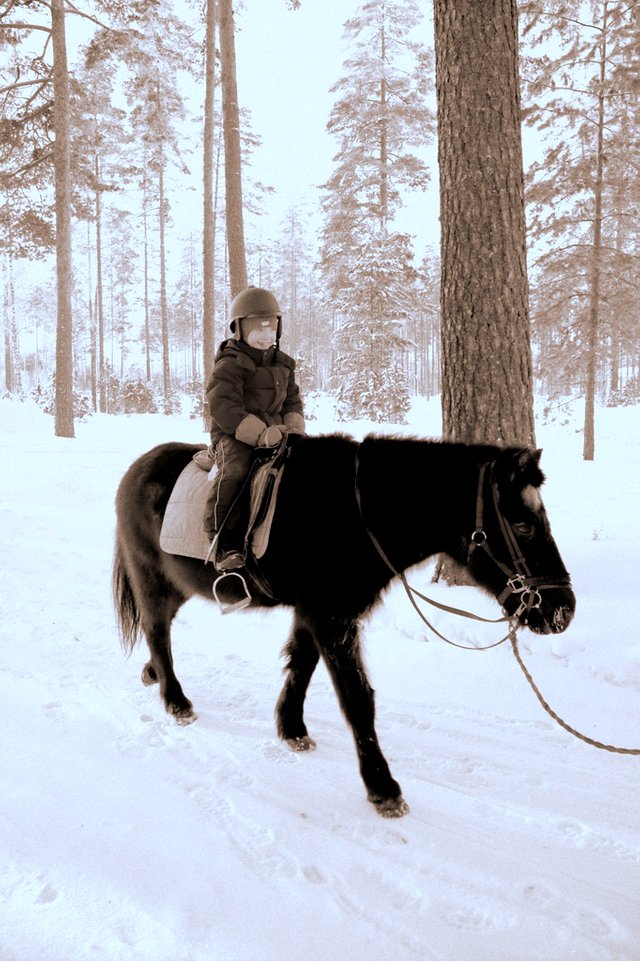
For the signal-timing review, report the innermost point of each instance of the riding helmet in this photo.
(253, 302)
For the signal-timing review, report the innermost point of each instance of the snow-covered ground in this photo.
(127, 838)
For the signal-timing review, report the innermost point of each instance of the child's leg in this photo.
(233, 459)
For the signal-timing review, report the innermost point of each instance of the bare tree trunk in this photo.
(64, 331)
(147, 324)
(164, 307)
(8, 364)
(11, 369)
(102, 396)
(216, 200)
(209, 237)
(487, 390)
(13, 380)
(589, 445)
(384, 154)
(232, 155)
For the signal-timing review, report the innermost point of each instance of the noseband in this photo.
(520, 580)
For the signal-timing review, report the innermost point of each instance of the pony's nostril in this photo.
(561, 619)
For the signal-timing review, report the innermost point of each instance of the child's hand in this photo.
(270, 437)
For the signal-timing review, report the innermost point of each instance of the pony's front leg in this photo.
(339, 642)
(303, 657)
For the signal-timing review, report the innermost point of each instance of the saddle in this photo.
(182, 529)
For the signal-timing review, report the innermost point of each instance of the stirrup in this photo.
(228, 607)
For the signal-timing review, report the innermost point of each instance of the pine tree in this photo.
(155, 58)
(46, 107)
(294, 266)
(62, 166)
(210, 170)
(382, 112)
(369, 369)
(232, 154)
(99, 159)
(583, 195)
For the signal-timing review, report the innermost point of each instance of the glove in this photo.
(270, 437)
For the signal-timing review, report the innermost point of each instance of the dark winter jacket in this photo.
(250, 390)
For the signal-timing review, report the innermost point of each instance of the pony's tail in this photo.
(124, 601)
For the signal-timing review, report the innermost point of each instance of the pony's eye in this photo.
(523, 529)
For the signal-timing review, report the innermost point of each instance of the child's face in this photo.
(259, 332)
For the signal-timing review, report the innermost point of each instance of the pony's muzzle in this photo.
(561, 619)
(550, 619)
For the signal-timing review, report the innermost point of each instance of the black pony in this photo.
(349, 516)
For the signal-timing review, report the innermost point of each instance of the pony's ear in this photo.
(522, 467)
(529, 458)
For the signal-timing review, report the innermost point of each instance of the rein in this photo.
(412, 593)
(521, 583)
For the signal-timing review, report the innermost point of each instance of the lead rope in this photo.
(582, 737)
(511, 636)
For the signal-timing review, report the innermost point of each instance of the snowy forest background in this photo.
(359, 288)
(129, 838)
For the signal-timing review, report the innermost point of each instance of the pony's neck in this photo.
(418, 497)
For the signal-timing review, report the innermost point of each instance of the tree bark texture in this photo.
(164, 304)
(487, 390)
(102, 373)
(64, 330)
(208, 236)
(589, 442)
(232, 154)
(147, 307)
(13, 380)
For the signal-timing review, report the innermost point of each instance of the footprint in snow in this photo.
(279, 754)
(54, 711)
(47, 895)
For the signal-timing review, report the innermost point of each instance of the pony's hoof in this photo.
(183, 715)
(395, 807)
(305, 743)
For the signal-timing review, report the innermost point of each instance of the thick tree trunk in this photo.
(486, 352)
(232, 155)
(64, 331)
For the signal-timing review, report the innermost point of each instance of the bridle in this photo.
(520, 580)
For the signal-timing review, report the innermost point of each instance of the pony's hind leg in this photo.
(155, 620)
(302, 659)
(339, 643)
(160, 670)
